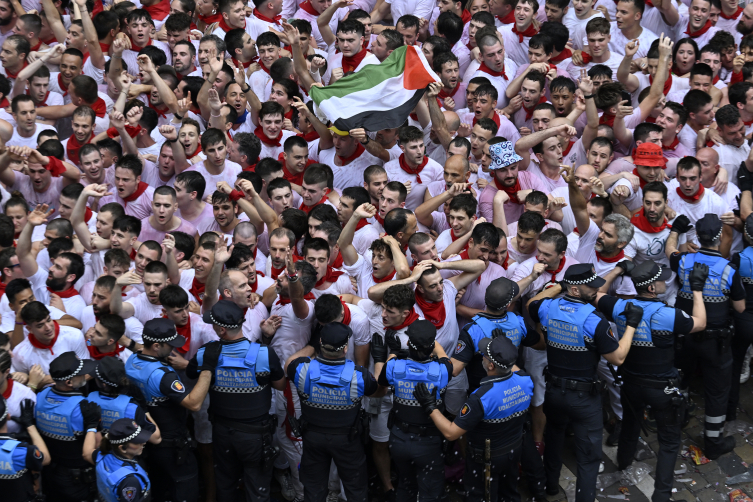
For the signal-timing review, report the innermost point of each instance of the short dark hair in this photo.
(327, 308)
(127, 224)
(400, 297)
(727, 115)
(34, 312)
(16, 286)
(656, 186)
(485, 233)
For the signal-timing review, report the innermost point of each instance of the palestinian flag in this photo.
(379, 96)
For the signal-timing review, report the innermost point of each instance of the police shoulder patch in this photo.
(611, 334)
(460, 346)
(465, 410)
(685, 314)
(37, 453)
(177, 386)
(129, 493)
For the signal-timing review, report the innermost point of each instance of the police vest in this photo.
(12, 464)
(511, 324)
(142, 373)
(718, 284)
(334, 387)
(746, 274)
(111, 470)
(505, 401)
(645, 358)
(404, 375)
(238, 371)
(53, 413)
(113, 408)
(567, 353)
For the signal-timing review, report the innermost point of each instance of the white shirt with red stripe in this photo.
(586, 253)
(14, 395)
(500, 83)
(350, 174)
(524, 270)
(432, 171)
(25, 355)
(294, 333)
(342, 286)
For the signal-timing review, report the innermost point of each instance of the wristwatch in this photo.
(248, 88)
(588, 96)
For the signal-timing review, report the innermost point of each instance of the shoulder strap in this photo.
(10, 445)
(434, 370)
(718, 267)
(69, 405)
(399, 369)
(252, 354)
(346, 376)
(314, 371)
(486, 325)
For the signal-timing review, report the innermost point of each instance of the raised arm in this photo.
(376, 292)
(117, 305)
(345, 242)
(578, 203)
(325, 137)
(438, 122)
(215, 66)
(90, 33)
(523, 145)
(19, 86)
(624, 76)
(399, 261)
(295, 288)
(457, 246)
(79, 211)
(423, 212)
(471, 269)
(592, 113)
(26, 260)
(299, 60)
(173, 270)
(168, 96)
(325, 17)
(656, 91)
(54, 20)
(221, 255)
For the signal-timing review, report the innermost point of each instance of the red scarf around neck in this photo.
(68, 293)
(306, 6)
(8, 388)
(140, 189)
(338, 263)
(296, 178)
(344, 161)
(529, 112)
(74, 146)
(211, 18)
(12, 75)
(700, 32)
(613, 259)
(512, 191)
(36, 47)
(455, 237)
(39, 345)
(307, 209)
(346, 313)
(667, 83)
(557, 270)
(62, 86)
(444, 94)
(640, 221)
(3, 285)
(197, 290)
(273, 20)
(508, 19)
(159, 11)
(259, 132)
(99, 107)
(491, 72)
(466, 16)
(95, 354)
(725, 16)
(309, 136)
(641, 180)
(386, 278)
(412, 170)
(691, 198)
(185, 332)
(607, 118)
(494, 117)
(528, 32)
(433, 311)
(331, 276)
(135, 47)
(412, 317)
(162, 111)
(350, 63)
(284, 300)
(565, 54)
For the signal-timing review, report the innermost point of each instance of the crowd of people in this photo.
(210, 292)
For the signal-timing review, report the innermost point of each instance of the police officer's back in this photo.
(331, 388)
(18, 459)
(576, 338)
(119, 476)
(649, 375)
(171, 462)
(240, 399)
(495, 411)
(63, 415)
(415, 442)
(722, 292)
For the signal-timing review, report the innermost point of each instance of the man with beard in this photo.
(145, 306)
(8, 19)
(744, 26)
(184, 57)
(131, 193)
(649, 162)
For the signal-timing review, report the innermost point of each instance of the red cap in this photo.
(649, 154)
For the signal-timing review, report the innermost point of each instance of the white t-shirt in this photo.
(709, 203)
(25, 355)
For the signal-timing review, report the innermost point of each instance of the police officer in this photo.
(63, 416)
(240, 400)
(171, 462)
(18, 459)
(415, 443)
(119, 476)
(331, 388)
(712, 346)
(496, 410)
(112, 399)
(576, 338)
(649, 375)
(743, 262)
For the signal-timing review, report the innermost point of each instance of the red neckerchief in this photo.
(607, 118)
(433, 311)
(260, 16)
(642, 181)
(529, 113)
(137, 193)
(135, 47)
(692, 198)
(565, 54)
(162, 111)
(259, 132)
(386, 278)
(528, 32)
(99, 107)
(11, 75)
(50, 40)
(512, 191)
(296, 178)
(74, 146)
(412, 317)
(185, 332)
(640, 221)
(722, 14)
(346, 313)
(159, 11)
(444, 94)
(350, 63)
(36, 47)
(39, 345)
(9, 388)
(68, 293)
(331, 276)
(306, 6)
(285, 301)
(43, 103)
(569, 147)
(466, 16)
(672, 146)
(667, 84)
(197, 290)
(309, 136)
(211, 18)
(557, 270)
(288, 114)
(359, 226)
(105, 48)
(5, 104)
(338, 263)
(614, 259)
(307, 209)
(379, 219)
(95, 354)
(495, 118)
(3, 285)
(239, 64)
(491, 72)
(132, 131)
(344, 161)
(454, 238)
(88, 213)
(508, 19)
(132, 254)
(412, 170)
(651, 120)
(699, 32)
(63, 87)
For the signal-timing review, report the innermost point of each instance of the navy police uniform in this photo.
(331, 391)
(649, 375)
(240, 399)
(109, 374)
(17, 461)
(576, 337)
(713, 345)
(496, 410)
(121, 479)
